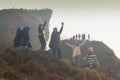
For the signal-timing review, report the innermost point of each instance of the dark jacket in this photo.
(25, 36)
(17, 39)
(55, 39)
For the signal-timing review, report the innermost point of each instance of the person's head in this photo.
(55, 29)
(26, 28)
(18, 29)
(40, 26)
(76, 44)
(90, 49)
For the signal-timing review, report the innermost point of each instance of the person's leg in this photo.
(41, 42)
(53, 50)
(92, 65)
(73, 59)
(41, 48)
(59, 53)
(77, 60)
(85, 65)
(29, 45)
(44, 45)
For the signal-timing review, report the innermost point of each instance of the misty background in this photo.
(99, 18)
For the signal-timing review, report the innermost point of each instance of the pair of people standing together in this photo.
(22, 37)
(92, 61)
(55, 38)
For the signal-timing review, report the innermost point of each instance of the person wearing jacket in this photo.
(92, 60)
(25, 41)
(42, 35)
(17, 39)
(55, 40)
(76, 51)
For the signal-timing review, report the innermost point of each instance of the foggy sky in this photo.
(100, 18)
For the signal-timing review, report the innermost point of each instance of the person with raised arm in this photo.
(55, 40)
(76, 51)
(42, 35)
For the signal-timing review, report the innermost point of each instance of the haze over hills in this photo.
(11, 19)
(22, 64)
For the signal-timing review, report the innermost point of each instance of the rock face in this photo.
(11, 19)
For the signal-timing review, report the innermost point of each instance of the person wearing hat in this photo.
(92, 59)
(55, 39)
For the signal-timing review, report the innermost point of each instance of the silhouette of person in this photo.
(25, 37)
(83, 37)
(55, 39)
(18, 37)
(73, 37)
(88, 36)
(42, 35)
(76, 36)
(79, 36)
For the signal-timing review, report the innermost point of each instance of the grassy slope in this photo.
(105, 55)
(22, 64)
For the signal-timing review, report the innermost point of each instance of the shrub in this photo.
(90, 74)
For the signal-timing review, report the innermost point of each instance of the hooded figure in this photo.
(17, 39)
(25, 37)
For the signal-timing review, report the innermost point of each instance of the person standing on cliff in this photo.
(92, 60)
(42, 35)
(76, 51)
(55, 40)
(17, 39)
(25, 40)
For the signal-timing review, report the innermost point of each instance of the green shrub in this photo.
(75, 71)
(90, 74)
(67, 62)
(2, 79)
(9, 73)
(31, 68)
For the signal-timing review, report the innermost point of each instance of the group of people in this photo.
(22, 38)
(81, 37)
(91, 56)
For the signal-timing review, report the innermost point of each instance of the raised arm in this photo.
(62, 24)
(82, 43)
(44, 23)
(70, 45)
